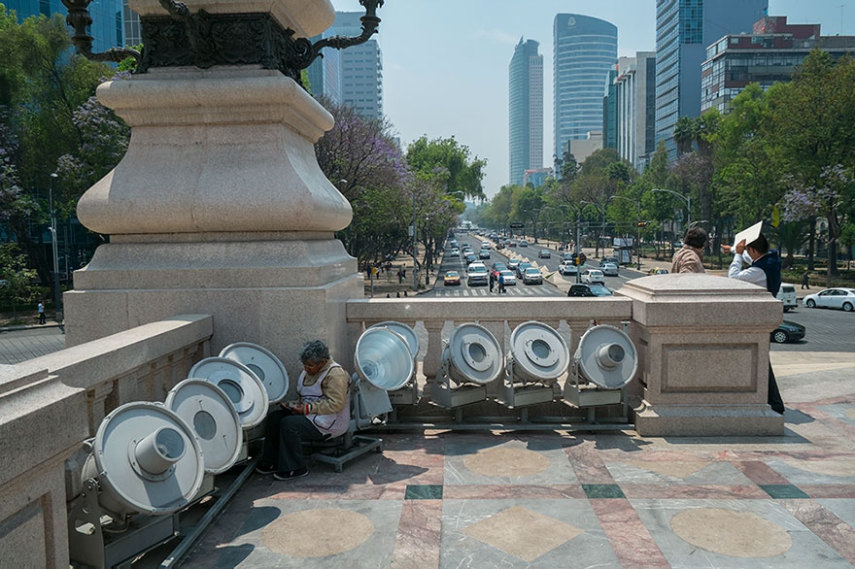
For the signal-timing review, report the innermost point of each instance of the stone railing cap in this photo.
(306, 17)
(691, 284)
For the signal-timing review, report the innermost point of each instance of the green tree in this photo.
(465, 174)
(812, 126)
(16, 287)
(42, 86)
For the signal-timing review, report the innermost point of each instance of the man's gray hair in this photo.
(314, 352)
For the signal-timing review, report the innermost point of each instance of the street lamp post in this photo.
(687, 199)
(637, 227)
(57, 299)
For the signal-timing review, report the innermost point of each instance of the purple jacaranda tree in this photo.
(826, 199)
(362, 160)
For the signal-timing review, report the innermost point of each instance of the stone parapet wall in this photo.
(50, 405)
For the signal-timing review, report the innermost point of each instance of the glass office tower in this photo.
(684, 28)
(585, 50)
(525, 110)
(361, 69)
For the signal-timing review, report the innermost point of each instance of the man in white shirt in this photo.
(765, 271)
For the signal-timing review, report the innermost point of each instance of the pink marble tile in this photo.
(760, 472)
(359, 492)
(629, 538)
(496, 492)
(828, 490)
(675, 491)
(588, 464)
(419, 531)
(828, 527)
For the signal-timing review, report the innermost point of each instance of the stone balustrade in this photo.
(50, 405)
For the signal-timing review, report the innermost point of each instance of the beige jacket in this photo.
(687, 260)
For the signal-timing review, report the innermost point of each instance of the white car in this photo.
(532, 276)
(568, 268)
(544, 254)
(832, 298)
(590, 276)
(509, 277)
(787, 295)
(609, 269)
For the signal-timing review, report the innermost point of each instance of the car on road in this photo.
(609, 269)
(513, 264)
(523, 243)
(486, 245)
(843, 298)
(590, 276)
(787, 295)
(477, 274)
(568, 268)
(532, 276)
(499, 266)
(657, 271)
(522, 267)
(589, 290)
(609, 260)
(451, 278)
(544, 254)
(788, 332)
(509, 277)
(454, 252)
(470, 258)
(484, 254)
(512, 243)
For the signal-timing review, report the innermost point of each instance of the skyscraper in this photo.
(585, 49)
(636, 103)
(684, 28)
(361, 69)
(525, 110)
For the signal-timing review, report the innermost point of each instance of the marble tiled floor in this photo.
(442, 500)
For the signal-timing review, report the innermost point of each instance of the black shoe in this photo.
(290, 475)
(265, 468)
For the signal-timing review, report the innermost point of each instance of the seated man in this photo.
(321, 412)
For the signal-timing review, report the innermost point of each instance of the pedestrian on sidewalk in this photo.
(806, 279)
(690, 257)
(41, 309)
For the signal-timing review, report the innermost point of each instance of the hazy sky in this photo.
(445, 62)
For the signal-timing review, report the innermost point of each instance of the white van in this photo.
(787, 294)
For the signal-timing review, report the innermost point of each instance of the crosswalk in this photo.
(518, 290)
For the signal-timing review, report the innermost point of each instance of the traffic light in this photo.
(642, 224)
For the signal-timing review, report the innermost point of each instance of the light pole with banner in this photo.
(57, 298)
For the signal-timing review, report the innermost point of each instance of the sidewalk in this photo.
(443, 500)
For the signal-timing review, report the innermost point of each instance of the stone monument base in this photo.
(276, 290)
(707, 421)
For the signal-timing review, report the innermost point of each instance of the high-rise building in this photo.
(361, 69)
(635, 91)
(683, 30)
(585, 49)
(610, 110)
(768, 55)
(106, 28)
(525, 110)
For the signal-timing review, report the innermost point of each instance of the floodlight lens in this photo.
(616, 353)
(232, 389)
(477, 352)
(256, 370)
(540, 348)
(205, 425)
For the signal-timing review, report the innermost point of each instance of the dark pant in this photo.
(774, 397)
(41, 317)
(283, 439)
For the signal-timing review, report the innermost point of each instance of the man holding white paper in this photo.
(764, 271)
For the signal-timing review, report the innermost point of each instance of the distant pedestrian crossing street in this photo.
(485, 292)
